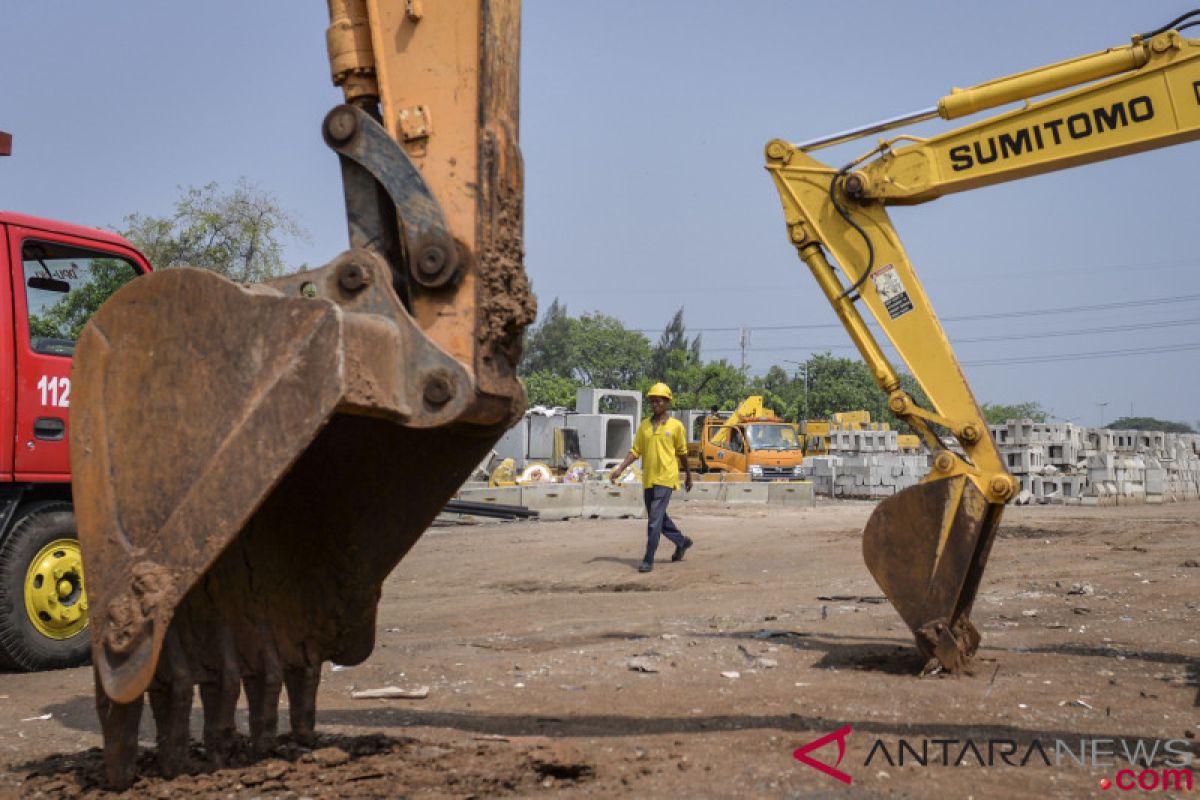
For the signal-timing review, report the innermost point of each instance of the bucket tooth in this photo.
(263, 687)
(302, 683)
(171, 694)
(119, 726)
(219, 691)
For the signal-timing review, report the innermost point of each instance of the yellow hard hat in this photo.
(659, 390)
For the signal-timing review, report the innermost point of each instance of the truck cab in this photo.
(751, 440)
(55, 275)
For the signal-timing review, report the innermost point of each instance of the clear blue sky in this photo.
(642, 127)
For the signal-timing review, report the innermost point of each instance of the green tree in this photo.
(674, 351)
(550, 345)
(842, 384)
(998, 414)
(550, 389)
(697, 385)
(781, 392)
(1149, 424)
(825, 385)
(239, 234)
(607, 355)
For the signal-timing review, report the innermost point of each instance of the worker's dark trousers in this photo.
(657, 521)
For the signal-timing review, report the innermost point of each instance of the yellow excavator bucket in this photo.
(926, 547)
(250, 462)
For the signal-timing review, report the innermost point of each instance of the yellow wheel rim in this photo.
(54, 593)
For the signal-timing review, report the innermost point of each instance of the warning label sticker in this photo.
(891, 291)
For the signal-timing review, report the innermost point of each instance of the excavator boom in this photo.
(250, 462)
(928, 545)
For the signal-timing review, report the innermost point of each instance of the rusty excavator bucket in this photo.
(926, 547)
(250, 462)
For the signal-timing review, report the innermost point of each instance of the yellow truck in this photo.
(752, 440)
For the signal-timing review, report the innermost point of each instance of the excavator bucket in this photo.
(927, 547)
(250, 462)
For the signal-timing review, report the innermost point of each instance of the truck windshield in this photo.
(64, 286)
(772, 437)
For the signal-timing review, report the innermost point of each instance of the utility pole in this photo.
(745, 343)
(806, 391)
(1102, 407)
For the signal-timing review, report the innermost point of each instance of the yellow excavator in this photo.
(250, 462)
(927, 546)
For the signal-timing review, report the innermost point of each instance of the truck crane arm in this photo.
(927, 546)
(749, 408)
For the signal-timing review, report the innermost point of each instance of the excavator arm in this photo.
(250, 462)
(927, 546)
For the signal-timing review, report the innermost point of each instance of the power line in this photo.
(1140, 267)
(1085, 356)
(1154, 301)
(1047, 359)
(1135, 326)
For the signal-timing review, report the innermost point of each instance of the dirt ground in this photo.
(555, 669)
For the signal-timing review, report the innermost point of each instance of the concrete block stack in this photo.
(1057, 487)
(609, 401)
(1063, 463)
(541, 435)
(604, 438)
(1180, 462)
(865, 475)
(822, 471)
(864, 460)
(863, 441)
(513, 444)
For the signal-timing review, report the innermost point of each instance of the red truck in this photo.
(54, 276)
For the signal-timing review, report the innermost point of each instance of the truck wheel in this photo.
(43, 604)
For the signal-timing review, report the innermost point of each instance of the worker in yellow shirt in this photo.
(661, 443)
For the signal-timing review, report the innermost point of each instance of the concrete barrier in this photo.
(703, 492)
(503, 495)
(746, 493)
(602, 499)
(554, 500)
(792, 493)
